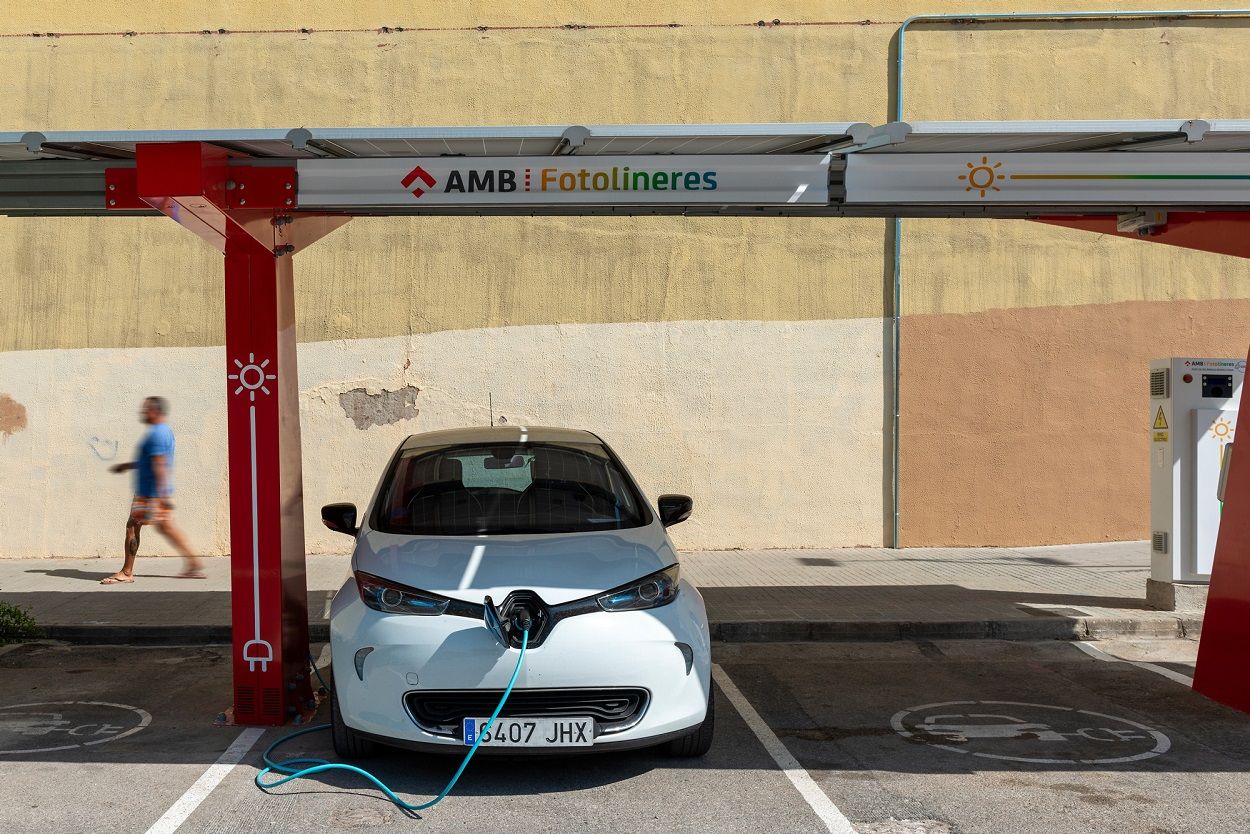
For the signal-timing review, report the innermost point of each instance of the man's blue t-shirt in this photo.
(158, 441)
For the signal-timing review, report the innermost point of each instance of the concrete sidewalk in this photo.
(1065, 592)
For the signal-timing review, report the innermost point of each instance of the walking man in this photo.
(154, 488)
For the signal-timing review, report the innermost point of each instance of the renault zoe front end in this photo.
(473, 534)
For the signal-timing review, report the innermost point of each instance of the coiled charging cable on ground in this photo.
(298, 768)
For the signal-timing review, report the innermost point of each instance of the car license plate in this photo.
(532, 732)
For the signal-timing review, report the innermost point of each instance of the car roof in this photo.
(499, 434)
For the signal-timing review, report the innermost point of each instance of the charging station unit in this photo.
(1193, 418)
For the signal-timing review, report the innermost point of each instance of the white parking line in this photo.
(211, 778)
(822, 805)
(1099, 654)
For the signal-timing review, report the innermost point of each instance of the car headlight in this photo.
(384, 595)
(659, 588)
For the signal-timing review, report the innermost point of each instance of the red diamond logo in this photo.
(415, 174)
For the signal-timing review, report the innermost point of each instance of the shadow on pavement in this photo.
(83, 705)
(70, 573)
(837, 707)
(193, 604)
(967, 707)
(892, 602)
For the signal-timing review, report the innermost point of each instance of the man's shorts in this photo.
(145, 510)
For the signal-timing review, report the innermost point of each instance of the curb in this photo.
(761, 631)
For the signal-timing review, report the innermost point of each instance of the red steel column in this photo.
(1223, 670)
(268, 589)
(251, 215)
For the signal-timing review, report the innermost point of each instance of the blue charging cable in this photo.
(298, 768)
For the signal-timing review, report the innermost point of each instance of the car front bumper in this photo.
(598, 650)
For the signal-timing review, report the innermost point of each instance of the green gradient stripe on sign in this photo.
(1055, 178)
(1129, 176)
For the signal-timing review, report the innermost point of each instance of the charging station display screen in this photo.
(1217, 386)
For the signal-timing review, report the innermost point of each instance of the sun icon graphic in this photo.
(251, 376)
(982, 177)
(1222, 430)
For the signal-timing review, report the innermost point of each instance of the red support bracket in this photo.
(121, 189)
(249, 213)
(208, 190)
(1225, 232)
(251, 187)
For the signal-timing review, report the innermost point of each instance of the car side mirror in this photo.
(341, 518)
(674, 509)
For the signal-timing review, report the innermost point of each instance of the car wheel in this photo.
(699, 740)
(348, 743)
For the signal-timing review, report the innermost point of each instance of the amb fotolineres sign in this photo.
(602, 180)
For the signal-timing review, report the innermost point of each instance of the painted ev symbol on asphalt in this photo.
(64, 725)
(1039, 733)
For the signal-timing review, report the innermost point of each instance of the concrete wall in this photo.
(688, 405)
(741, 361)
(1025, 397)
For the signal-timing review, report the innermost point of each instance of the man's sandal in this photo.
(116, 580)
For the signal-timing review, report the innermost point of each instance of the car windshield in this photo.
(480, 489)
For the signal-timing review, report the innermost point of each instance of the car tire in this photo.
(348, 743)
(698, 741)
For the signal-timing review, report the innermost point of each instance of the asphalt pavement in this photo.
(904, 737)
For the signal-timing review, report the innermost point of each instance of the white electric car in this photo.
(476, 534)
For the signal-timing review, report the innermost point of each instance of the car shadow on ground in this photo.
(417, 777)
(182, 689)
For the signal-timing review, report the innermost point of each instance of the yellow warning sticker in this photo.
(1161, 437)
(1161, 422)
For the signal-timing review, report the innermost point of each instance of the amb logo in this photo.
(503, 179)
(415, 174)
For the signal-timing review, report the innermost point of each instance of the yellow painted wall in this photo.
(826, 61)
(136, 282)
(970, 266)
(400, 276)
(1087, 70)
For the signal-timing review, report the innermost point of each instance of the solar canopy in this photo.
(62, 173)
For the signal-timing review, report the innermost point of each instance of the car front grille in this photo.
(443, 712)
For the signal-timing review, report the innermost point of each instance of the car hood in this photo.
(558, 567)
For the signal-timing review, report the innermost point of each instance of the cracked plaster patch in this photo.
(12, 416)
(381, 409)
